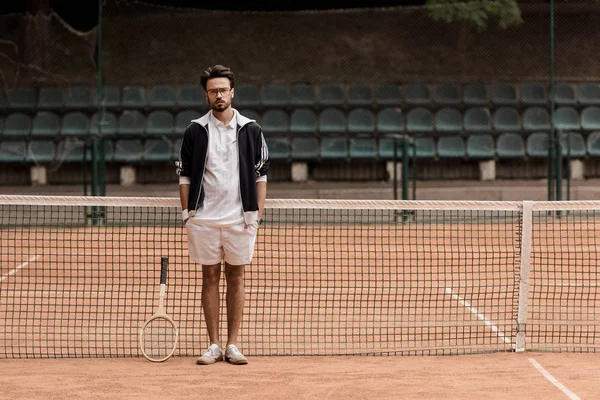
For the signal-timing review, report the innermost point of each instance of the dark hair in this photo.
(218, 71)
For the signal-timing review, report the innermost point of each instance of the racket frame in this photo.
(160, 314)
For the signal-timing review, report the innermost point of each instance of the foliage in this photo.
(479, 13)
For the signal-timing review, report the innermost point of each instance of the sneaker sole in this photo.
(208, 362)
(237, 362)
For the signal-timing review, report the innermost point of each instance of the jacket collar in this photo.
(241, 120)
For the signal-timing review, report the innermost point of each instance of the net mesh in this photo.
(78, 277)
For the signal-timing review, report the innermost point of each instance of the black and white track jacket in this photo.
(253, 162)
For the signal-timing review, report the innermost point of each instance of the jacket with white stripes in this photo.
(253, 161)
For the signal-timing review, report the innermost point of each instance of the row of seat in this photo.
(506, 146)
(302, 95)
(305, 121)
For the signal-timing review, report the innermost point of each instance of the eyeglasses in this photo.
(223, 91)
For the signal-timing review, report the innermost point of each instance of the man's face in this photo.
(219, 94)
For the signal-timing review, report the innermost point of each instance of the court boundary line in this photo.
(15, 270)
(480, 316)
(553, 380)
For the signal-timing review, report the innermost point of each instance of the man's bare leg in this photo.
(210, 300)
(235, 300)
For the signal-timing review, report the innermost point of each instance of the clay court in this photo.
(415, 297)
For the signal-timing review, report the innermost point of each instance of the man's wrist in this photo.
(185, 215)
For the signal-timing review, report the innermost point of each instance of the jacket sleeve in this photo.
(185, 155)
(261, 156)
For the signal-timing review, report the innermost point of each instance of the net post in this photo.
(526, 236)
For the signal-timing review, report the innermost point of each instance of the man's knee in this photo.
(211, 274)
(234, 274)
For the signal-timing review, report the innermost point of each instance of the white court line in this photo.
(553, 380)
(482, 317)
(13, 271)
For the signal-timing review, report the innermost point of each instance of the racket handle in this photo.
(164, 263)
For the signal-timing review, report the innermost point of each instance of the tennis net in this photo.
(79, 275)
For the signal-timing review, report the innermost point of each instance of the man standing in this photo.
(222, 170)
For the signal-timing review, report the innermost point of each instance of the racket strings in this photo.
(159, 338)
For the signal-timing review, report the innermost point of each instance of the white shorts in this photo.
(211, 245)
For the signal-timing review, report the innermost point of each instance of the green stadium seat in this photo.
(304, 149)
(104, 123)
(590, 118)
(417, 94)
(361, 121)
(538, 144)
(448, 119)
(303, 95)
(388, 95)
(536, 118)
(386, 149)
(247, 96)
(360, 95)
(3, 100)
(128, 150)
(566, 118)
(22, 99)
(134, 97)
(303, 122)
(334, 148)
(332, 121)
(78, 98)
(51, 98)
(184, 119)
(40, 151)
(331, 96)
(157, 150)
(275, 96)
(131, 122)
(447, 94)
(480, 147)
(477, 120)
(109, 97)
(451, 147)
(363, 149)
(419, 120)
(510, 145)
(275, 123)
(574, 147)
(191, 96)
(69, 150)
(17, 124)
(162, 97)
(533, 94)
(504, 94)
(565, 94)
(251, 114)
(475, 94)
(390, 120)
(13, 151)
(176, 148)
(279, 148)
(507, 119)
(593, 144)
(45, 123)
(160, 123)
(425, 147)
(588, 94)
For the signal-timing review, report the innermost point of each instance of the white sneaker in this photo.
(234, 356)
(212, 355)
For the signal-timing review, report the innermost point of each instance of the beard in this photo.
(219, 107)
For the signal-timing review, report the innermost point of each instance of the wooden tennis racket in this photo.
(159, 334)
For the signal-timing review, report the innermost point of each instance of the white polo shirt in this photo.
(222, 205)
